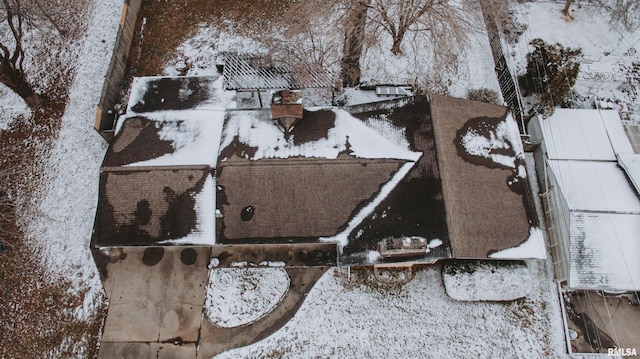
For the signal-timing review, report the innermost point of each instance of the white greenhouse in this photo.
(589, 175)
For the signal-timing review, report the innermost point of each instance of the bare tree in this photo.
(567, 6)
(37, 38)
(626, 12)
(12, 53)
(306, 38)
(399, 17)
(353, 43)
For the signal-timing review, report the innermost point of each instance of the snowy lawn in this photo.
(439, 67)
(240, 296)
(58, 217)
(357, 318)
(12, 106)
(471, 68)
(608, 50)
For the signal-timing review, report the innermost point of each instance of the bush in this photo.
(551, 71)
(484, 95)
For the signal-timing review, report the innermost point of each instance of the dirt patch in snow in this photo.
(169, 23)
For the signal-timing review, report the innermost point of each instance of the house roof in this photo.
(155, 206)
(582, 134)
(183, 138)
(604, 251)
(479, 150)
(595, 186)
(156, 180)
(446, 175)
(151, 94)
(170, 121)
(323, 133)
(411, 214)
(304, 184)
(297, 198)
(630, 163)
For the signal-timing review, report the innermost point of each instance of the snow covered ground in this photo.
(240, 296)
(471, 68)
(11, 107)
(608, 51)
(58, 218)
(351, 318)
(487, 281)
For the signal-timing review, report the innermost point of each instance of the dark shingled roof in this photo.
(459, 203)
(172, 93)
(483, 214)
(145, 207)
(137, 141)
(415, 206)
(295, 197)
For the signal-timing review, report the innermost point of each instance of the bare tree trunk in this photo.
(565, 11)
(11, 71)
(15, 80)
(397, 41)
(353, 42)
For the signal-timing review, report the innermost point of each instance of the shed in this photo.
(591, 207)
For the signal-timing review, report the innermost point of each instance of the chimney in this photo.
(286, 108)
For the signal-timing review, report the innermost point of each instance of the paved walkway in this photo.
(156, 298)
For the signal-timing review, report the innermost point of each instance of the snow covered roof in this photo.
(156, 180)
(588, 154)
(320, 134)
(582, 134)
(306, 183)
(379, 173)
(244, 72)
(595, 186)
(604, 251)
(167, 138)
(480, 158)
(150, 94)
(170, 121)
(630, 163)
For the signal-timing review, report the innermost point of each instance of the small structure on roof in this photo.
(286, 108)
(392, 91)
(586, 167)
